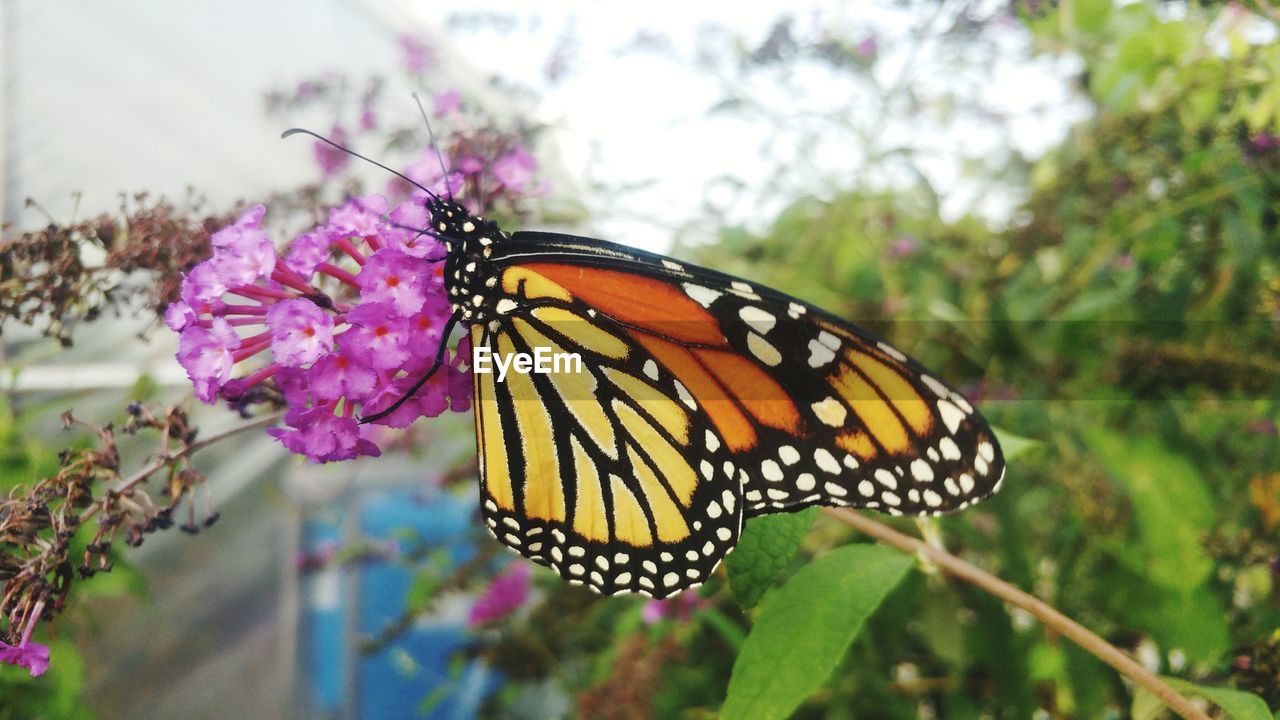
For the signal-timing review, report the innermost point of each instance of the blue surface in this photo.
(394, 682)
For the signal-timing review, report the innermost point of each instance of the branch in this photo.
(166, 459)
(1047, 614)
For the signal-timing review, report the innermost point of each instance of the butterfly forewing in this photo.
(816, 410)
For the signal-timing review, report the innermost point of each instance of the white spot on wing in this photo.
(951, 415)
(830, 412)
(826, 461)
(921, 470)
(702, 295)
(770, 471)
(789, 455)
(759, 320)
(829, 340)
(713, 442)
(685, 397)
(938, 388)
(766, 353)
(891, 351)
(820, 354)
(651, 369)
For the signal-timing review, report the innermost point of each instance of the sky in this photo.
(160, 96)
(625, 117)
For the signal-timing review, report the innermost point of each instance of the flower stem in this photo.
(168, 458)
(1046, 613)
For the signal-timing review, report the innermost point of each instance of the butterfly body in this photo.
(701, 400)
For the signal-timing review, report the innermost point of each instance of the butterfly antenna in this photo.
(353, 153)
(435, 146)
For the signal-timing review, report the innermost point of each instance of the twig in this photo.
(1048, 615)
(168, 458)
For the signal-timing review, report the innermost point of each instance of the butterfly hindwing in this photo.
(601, 473)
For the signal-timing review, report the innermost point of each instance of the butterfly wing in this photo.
(597, 472)
(815, 410)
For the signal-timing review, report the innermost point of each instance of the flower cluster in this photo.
(504, 595)
(346, 319)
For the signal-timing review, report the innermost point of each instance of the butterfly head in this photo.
(468, 240)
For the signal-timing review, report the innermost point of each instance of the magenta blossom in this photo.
(330, 159)
(677, 607)
(447, 103)
(505, 594)
(26, 654)
(345, 319)
(417, 54)
(514, 170)
(352, 314)
(30, 655)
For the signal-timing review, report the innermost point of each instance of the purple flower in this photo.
(514, 170)
(417, 55)
(242, 252)
(30, 655)
(447, 103)
(404, 237)
(379, 339)
(203, 284)
(330, 159)
(368, 120)
(390, 277)
(336, 376)
(903, 246)
(206, 355)
(300, 332)
(249, 222)
(179, 315)
(306, 252)
(867, 48)
(359, 217)
(348, 317)
(504, 595)
(324, 437)
(677, 607)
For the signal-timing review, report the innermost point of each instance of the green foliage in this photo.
(1121, 334)
(806, 626)
(1238, 705)
(765, 549)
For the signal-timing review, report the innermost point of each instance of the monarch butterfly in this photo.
(701, 400)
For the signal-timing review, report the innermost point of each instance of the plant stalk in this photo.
(1047, 614)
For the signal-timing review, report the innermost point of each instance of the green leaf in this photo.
(1238, 705)
(1014, 446)
(1171, 503)
(765, 550)
(807, 626)
(1090, 16)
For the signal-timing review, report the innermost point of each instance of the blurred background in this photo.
(1068, 209)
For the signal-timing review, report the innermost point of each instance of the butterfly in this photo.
(698, 400)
